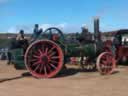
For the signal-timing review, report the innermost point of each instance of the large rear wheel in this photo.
(44, 59)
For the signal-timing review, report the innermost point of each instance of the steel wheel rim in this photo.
(46, 60)
(106, 63)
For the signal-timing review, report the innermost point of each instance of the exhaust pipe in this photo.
(97, 34)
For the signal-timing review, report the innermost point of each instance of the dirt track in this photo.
(71, 83)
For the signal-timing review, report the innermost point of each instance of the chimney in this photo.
(96, 29)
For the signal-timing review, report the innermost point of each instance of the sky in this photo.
(68, 15)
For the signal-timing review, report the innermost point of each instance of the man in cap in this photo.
(36, 33)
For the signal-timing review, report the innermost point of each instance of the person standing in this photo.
(20, 36)
(18, 42)
(36, 32)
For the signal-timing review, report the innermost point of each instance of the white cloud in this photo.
(61, 26)
(67, 28)
(12, 30)
(45, 26)
(15, 29)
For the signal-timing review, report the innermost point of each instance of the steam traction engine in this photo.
(45, 57)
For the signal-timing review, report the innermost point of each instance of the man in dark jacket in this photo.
(36, 33)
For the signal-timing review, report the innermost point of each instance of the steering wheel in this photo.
(54, 34)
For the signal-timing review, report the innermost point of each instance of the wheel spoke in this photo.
(108, 58)
(105, 70)
(109, 67)
(36, 63)
(103, 57)
(36, 53)
(33, 60)
(48, 67)
(55, 57)
(102, 66)
(53, 65)
(51, 54)
(39, 50)
(36, 56)
(50, 31)
(45, 71)
(104, 62)
(37, 67)
(51, 50)
(53, 61)
(46, 50)
(41, 67)
(43, 48)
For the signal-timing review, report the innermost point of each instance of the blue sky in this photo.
(69, 15)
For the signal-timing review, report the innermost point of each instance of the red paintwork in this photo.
(107, 46)
(122, 51)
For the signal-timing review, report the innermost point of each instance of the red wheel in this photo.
(106, 63)
(44, 59)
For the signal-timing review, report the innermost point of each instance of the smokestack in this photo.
(96, 25)
(96, 29)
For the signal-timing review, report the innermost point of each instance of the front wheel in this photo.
(106, 63)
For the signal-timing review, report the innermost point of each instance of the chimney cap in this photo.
(96, 17)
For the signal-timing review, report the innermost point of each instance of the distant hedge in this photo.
(4, 43)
